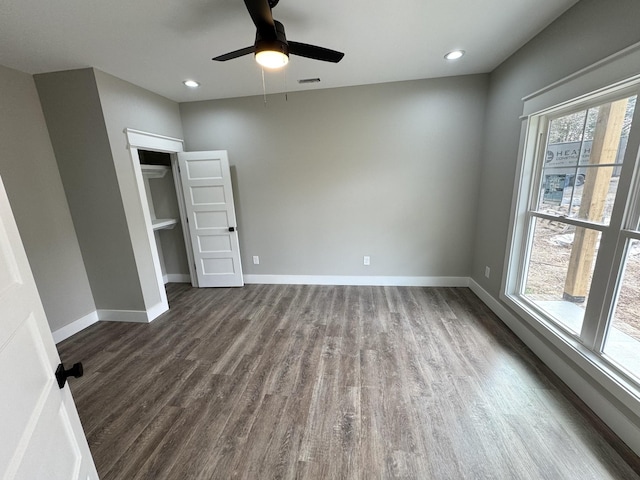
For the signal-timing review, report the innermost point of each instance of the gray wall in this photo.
(328, 176)
(125, 105)
(588, 32)
(87, 112)
(30, 174)
(78, 133)
(172, 244)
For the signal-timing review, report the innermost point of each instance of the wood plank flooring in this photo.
(323, 382)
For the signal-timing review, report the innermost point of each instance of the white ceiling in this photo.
(158, 44)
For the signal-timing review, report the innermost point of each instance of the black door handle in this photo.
(61, 374)
(232, 229)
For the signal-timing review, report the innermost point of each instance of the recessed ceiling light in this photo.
(456, 54)
(191, 83)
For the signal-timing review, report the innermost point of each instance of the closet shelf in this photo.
(163, 223)
(154, 171)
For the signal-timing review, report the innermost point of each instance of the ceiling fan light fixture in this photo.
(454, 55)
(272, 58)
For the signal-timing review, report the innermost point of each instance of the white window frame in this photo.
(615, 77)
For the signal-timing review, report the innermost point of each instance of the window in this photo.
(623, 337)
(574, 265)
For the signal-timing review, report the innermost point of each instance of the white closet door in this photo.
(206, 183)
(40, 432)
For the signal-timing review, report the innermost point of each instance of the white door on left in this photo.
(40, 433)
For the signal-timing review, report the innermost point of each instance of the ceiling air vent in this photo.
(309, 80)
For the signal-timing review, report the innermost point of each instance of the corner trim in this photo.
(75, 327)
(357, 280)
(623, 424)
(155, 311)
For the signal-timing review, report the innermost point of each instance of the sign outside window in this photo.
(554, 188)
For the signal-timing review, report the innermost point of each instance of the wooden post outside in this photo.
(604, 150)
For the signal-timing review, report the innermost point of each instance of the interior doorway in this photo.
(136, 205)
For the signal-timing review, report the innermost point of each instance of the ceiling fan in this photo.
(271, 47)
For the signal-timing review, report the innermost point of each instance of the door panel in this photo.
(211, 220)
(217, 266)
(207, 195)
(206, 183)
(64, 456)
(215, 243)
(204, 168)
(41, 432)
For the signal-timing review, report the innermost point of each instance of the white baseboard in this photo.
(176, 278)
(157, 310)
(135, 316)
(357, 280)
(622, 421)
(74, 327)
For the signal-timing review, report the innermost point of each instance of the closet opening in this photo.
(161, 181)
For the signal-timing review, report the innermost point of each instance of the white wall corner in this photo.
(75, 327)
(384, 281)
(620, 420)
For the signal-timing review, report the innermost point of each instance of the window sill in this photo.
(595, 366)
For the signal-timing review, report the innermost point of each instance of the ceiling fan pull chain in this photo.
(286, 90)
(264, 88)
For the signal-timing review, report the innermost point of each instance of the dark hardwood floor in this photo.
(321, 382)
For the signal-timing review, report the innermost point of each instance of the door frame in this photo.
(142, 235)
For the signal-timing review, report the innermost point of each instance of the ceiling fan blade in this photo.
(260, 12)
(234, 54)
(315, 52)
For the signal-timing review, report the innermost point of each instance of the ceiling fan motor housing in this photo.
(279, 44)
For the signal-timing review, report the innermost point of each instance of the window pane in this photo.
(559, 271)
(623, 338)
(575, 181)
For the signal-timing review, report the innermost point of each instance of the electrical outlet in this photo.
(256, 260)
(367, 260)
(487, 272)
